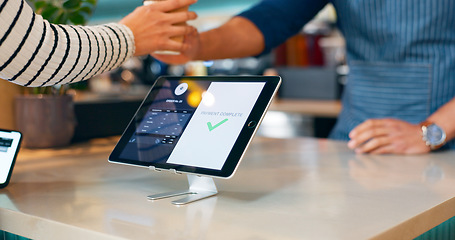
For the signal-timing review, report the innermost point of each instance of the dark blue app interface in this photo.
(164, 120)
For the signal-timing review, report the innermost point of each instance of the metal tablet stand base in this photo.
(199, 188)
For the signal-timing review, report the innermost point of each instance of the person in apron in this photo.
(401, 57)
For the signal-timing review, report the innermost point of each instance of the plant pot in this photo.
(8, 92)
(45, 120)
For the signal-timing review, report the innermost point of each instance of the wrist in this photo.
(433, 135)
(202, 52)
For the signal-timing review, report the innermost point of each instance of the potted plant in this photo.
(45, 115)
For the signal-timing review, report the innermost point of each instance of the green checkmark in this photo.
(209, 124)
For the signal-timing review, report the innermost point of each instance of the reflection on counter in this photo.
(196, 222)
(377, 173)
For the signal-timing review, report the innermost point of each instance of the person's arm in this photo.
(239, 37)
(35, 53)
(383, 136)
(255, 31)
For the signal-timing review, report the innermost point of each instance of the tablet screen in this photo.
(9, 146)
(198, 125)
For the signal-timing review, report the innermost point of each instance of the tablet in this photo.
(196, 125)
(9, 147)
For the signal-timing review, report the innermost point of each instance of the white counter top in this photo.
(284, 189)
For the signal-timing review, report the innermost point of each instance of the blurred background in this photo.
(311, 64)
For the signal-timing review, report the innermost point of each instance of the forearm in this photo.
(444, 117)
(239, 37)
(36, 53)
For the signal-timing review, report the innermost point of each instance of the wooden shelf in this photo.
(315, 108)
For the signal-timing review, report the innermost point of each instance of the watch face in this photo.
(435, 135)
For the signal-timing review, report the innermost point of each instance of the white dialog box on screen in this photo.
(216, 124)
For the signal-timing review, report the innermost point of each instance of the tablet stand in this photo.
(199, 188)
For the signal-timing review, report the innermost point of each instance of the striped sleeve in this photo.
(35, 53)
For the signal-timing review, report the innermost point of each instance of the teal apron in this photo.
(401, 56)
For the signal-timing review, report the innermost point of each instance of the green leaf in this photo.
(49, 12)
(92, 2)
(72, 4)
(39, 4)
(77, 18)
(36, 90)
(62, 18)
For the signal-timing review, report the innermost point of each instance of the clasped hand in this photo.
(154, 25)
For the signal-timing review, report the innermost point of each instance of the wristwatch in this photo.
(433, 135)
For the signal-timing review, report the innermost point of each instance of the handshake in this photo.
(159, 26)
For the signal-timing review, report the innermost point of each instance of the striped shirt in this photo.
(36, 53)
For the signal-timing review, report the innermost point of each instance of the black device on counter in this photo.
(196, 125)
(10, 142)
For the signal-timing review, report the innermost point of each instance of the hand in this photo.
(190, 48)
(154, 25)
(382, 136)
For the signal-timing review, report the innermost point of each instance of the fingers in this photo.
(388, 149)
(180, 30)
(189, 40)
(176, 9)
(382, 145)
(174, 17)
(187, 52)
(170, 5)
(183, 16)
(364, 136)
(176, 31)
(371, 136)
(374, 145)
(365, 126)
(370, 129)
